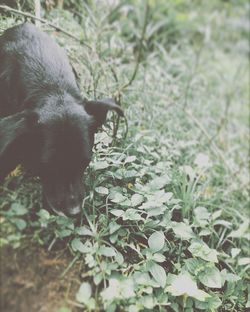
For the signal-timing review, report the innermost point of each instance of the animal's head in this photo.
(55, 143)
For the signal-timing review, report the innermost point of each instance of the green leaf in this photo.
(102, 190)
(113, 227)
(201, 216)
(136, 200)
(241, 230)
(183, 285)
(244, 261)
(117, 212)
(235, 252)
(119, 258)
(158, 273)
(100, 165)
(18, 209)
(201, 250)
(148, 301)
(157, 257)
(77, 245)
(183, 230)
(194, 266)
(132, 214)
(84, 293)
(107, 251)
(159, 182)
(83, 230)
(130, 159)
(63, 233)
(230, 277)
(43, 214)
(156, 241)
(117, 198)
(20, 224)
(211, 277)
(211, 303)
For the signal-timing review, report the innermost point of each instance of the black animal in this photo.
(44, 122)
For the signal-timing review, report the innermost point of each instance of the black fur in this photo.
(45, 124)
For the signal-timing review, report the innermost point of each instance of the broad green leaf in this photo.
(201, 216)
(113, 227)
(98, 165)
(235, 252)
(183, 230)
(212, 303)
(156, 211)
(157, 257)
(142, 278)
(20, 224)
(148, 301)
(194, 265)
(229, 277)
(132, 214)
(18, 209)
(83, 230)
(117, 198)
(84, 293)
(136, 199)
(205, 232)
(102, 190)
(158, 273)
(244, 227)
(130, 159)
(44, 214)
(201, 250)
(107, 251)
(183, 285)
(119, 258)
(211, 277)
(98, 278)
(244, 261)
(117, 212)
(63, 233)
(77, 245)
(156, 241)
(159, 182)
(118, 289)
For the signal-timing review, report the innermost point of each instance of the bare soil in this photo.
(30, 280)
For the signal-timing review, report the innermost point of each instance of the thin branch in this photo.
(38, 12)
(44, 21)
(139, 55)
(197, 61)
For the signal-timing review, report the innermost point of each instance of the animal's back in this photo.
(31, 63)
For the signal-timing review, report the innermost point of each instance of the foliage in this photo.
(165, 225)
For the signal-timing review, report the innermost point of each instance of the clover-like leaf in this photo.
(158, 273)
(156, 241)
(183, 285)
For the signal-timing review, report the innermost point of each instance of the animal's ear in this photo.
(12, 129)
(99, 108)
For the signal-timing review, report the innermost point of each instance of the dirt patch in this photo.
(30, 280)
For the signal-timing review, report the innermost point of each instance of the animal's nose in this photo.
(73, 211)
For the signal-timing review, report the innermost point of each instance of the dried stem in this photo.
(44, 21)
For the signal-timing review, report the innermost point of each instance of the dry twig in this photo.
(44, 21)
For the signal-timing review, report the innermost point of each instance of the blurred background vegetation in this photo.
(168, 190)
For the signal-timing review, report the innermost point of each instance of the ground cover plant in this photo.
(165, 223)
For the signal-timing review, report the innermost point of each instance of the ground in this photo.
(31, 279)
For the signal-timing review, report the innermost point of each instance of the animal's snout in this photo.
(64, 199)
(73, 211)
